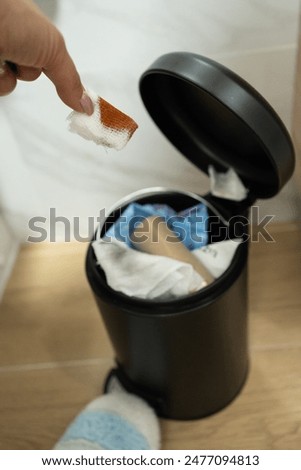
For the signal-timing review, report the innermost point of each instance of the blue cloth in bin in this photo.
(190, 225)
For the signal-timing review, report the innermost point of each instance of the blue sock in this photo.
(115, 421)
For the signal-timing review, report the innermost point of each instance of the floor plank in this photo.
(37, 405)
(48, 313)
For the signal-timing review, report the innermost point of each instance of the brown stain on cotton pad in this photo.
(112, 118)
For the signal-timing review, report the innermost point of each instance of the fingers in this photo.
(63, 74)
(28, 74)
(8, 79)
(36, 45)
(10, 74)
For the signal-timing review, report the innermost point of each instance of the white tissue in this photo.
(227, 185)
(217, 257)
(142, 275)
(146, 276)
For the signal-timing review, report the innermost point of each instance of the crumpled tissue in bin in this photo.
(152, 277)
(142, 275)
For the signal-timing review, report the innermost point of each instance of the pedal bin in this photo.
(189, 357)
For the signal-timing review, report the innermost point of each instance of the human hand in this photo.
(29, 40)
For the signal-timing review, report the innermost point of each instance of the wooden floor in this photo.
(54, 352)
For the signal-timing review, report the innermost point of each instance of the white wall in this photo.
(112, 43)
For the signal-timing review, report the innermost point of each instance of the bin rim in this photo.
(152, 191)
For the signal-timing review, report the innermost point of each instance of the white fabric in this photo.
(91, 127)
(227, 185)
(146, 276)
(143, 275)
(218, 256)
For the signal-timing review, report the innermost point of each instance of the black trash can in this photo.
(189, 357)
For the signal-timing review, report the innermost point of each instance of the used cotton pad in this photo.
(107, 125)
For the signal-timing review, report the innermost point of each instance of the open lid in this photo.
(216, 118)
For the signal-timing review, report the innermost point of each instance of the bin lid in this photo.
(214, 117)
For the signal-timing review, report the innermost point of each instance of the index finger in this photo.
(62, 72)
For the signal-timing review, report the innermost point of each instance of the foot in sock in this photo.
(115, 421)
